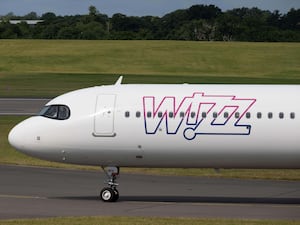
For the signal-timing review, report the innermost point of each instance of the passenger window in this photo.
(159, 114)
(270, 115)
(171, 114)
(181, 114)
(149, 114)
(193, 114)
(226, 115)
(292, 115)
(281, 115)
(58, 112)
(127, 114)
(248, 115)
(204, 115)
(215, 114)
(237, 115)
(259, 115)
(138, 114)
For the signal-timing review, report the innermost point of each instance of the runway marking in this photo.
(219, 204)
(17, 114)
(250, 205)
(25, 99)
(22, 197)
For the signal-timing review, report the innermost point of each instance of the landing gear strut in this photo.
(110, 194)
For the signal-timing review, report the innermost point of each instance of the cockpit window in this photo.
(58, 112)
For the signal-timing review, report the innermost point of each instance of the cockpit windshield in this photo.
(58, 112)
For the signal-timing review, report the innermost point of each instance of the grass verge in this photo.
(144, 221)
(49, 85)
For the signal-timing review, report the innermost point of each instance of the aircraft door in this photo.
(104, 116)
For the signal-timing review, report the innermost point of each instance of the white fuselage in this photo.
(218, 126)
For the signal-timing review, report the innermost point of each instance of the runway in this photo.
(28, 192)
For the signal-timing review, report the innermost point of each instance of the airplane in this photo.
(166, 125)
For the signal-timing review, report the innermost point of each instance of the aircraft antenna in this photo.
(119, 81)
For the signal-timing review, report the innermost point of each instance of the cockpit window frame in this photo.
(59, 109)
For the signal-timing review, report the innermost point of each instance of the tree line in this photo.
(197, 23)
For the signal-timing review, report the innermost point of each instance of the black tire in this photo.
(108, 195)
(116, 197)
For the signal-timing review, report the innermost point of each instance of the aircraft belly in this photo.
(221, 152)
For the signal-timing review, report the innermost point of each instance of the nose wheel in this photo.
(110, 194)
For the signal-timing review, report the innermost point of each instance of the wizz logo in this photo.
(198, 114)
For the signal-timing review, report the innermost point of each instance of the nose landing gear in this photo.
(110, 194)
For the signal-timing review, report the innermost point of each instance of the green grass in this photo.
(46, 68)
(150, 57)
(144, 221)
(51, 85)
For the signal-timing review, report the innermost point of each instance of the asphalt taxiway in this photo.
(29, 192)
(21, 106)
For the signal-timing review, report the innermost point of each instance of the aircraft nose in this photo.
(28, 138)
(21, 137)
(16, 138)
